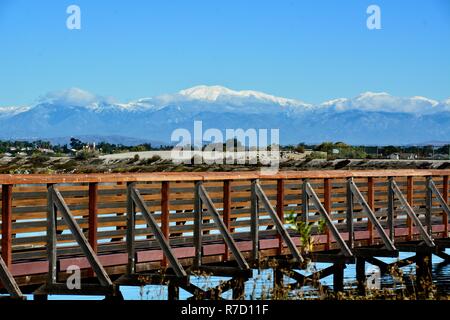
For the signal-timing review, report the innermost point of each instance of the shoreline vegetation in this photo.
(22, 157)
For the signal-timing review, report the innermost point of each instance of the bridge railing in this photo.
(100, 203)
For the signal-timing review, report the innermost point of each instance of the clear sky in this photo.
(308, 50)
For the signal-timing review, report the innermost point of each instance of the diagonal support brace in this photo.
(278, 224)
(371, 215)
(8, 281)
(410, 212)
(62, 207)
(206, 200)
(162, 241)
(312, 194)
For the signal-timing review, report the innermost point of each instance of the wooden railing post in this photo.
(428, 205)
(93, 219)
(227, 212)
(410, 199)
(371, 203)
(305, 202)
(327, 205)
(445, 196)
(165, 216)
(390, 211)
(350, 227)
(51, 237)
(131, 223)
(197, 225)
(254, 226)
(280, 210)
(7, 224)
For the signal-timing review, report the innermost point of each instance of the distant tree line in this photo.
(333, 149)
(343, 150)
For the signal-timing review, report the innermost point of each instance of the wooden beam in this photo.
(388, 242)
(51, 237)
(226, 212)
(361, 275)
(254, 224)
(442, 201)
(350, 227)
(409, 210)
(305, 203)
(165, 215)
(77, 233)
(212, 176)
(162, 241)
(93, 218)
(315, 199)
(410, 199)
(371, 203)
(206, 200)
(8, 281)
(131, 223)
(280, 210)
(279, 226)
(327, 188)
(390, 209)
(445, 196)
(338, 277)
(197, 225)
(7, 224)
(428, 205)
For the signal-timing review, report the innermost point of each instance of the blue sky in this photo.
(309, 50)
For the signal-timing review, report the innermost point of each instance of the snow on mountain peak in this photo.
(210, 93)
(216, 93)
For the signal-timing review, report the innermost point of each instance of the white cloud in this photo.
(384, 102)
(75, 97)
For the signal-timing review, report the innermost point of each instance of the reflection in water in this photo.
(262, 282)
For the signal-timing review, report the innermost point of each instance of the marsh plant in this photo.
(305, 230)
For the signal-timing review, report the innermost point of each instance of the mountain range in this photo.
(370, 118)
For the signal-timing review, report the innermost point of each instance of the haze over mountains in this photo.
(370, 118)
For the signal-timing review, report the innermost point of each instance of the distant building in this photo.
(403, 156)
(440, 156)
(394, 156)
(408, 156)
(43, 150)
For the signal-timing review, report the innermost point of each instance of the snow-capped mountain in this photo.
(370, 118)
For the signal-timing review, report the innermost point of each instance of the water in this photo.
(262, 282)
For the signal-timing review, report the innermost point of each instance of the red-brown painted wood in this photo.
(410, 199)
(93, 215)
(371, 203)
(327, 187)
(211, 176)
(445, 196)
(165, 214)
(226, 212)
(93, 219)
(280, 210)
(7, 224)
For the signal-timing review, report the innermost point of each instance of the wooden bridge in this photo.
(160, 228)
